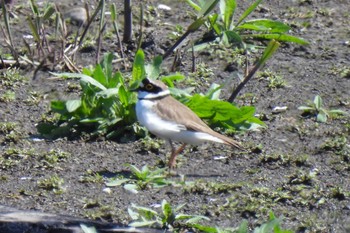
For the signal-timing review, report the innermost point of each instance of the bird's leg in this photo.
(174, 153)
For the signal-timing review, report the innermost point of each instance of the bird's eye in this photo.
(149, 87)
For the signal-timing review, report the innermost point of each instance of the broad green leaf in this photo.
(58, 106)
(265, 25)
(133, 188)
(207, 8)
(214, 91)
(318, 102)
(243, 227)
(247, 12)
(123, 96)
(337, 112)
(134, 170)
(133, 214)
(206, 229)
(167, 211)
(197, 218)
(232, 37)
(227, 10)
(86, 79)
(73, 105)
(116, 182)
(108, 93)
(142, 224)
(107, 67)
(321, 117)
(169, 79)
(278, 37)
(206, 108)
(153, 70)
(100, 76)
(146, 212)
(213, 23)
(138, 69)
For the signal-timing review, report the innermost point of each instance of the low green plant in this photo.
(273, 225)
(236, 32)
(53, 183)
(168, 218)
(8, 96)
(274, 80)
(106, 106)
(140, 179)
(317, 110)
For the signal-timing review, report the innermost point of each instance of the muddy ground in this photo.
(296, 167)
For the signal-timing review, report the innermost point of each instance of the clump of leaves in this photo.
(274, 80)
(106, 106)
(219, 113)
(141, 179)
(317, 110)
(53, 183)
(273, 225)
(167, 219)
(231, 31)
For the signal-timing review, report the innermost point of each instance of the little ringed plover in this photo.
(169, 119)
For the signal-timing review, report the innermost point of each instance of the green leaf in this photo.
(170, 79)
(247, 12)
(214, 91)
(213, 23)
(167, 211)
(265, 25)
(107, 67)
(207, 8)
(322, 117)
(142, 223)
(243, 228)
(116, 182)
(89, 80)
(206, 229)
(278, 37)
(133, 188)
(232, 37)
(138, 69)
(153, 70)
(227, 10)
(72, 105)
(337, 112)
(108, 93)
(318, 102)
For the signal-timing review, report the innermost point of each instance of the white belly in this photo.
(166, 129)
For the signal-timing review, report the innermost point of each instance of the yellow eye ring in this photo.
(149, 87)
